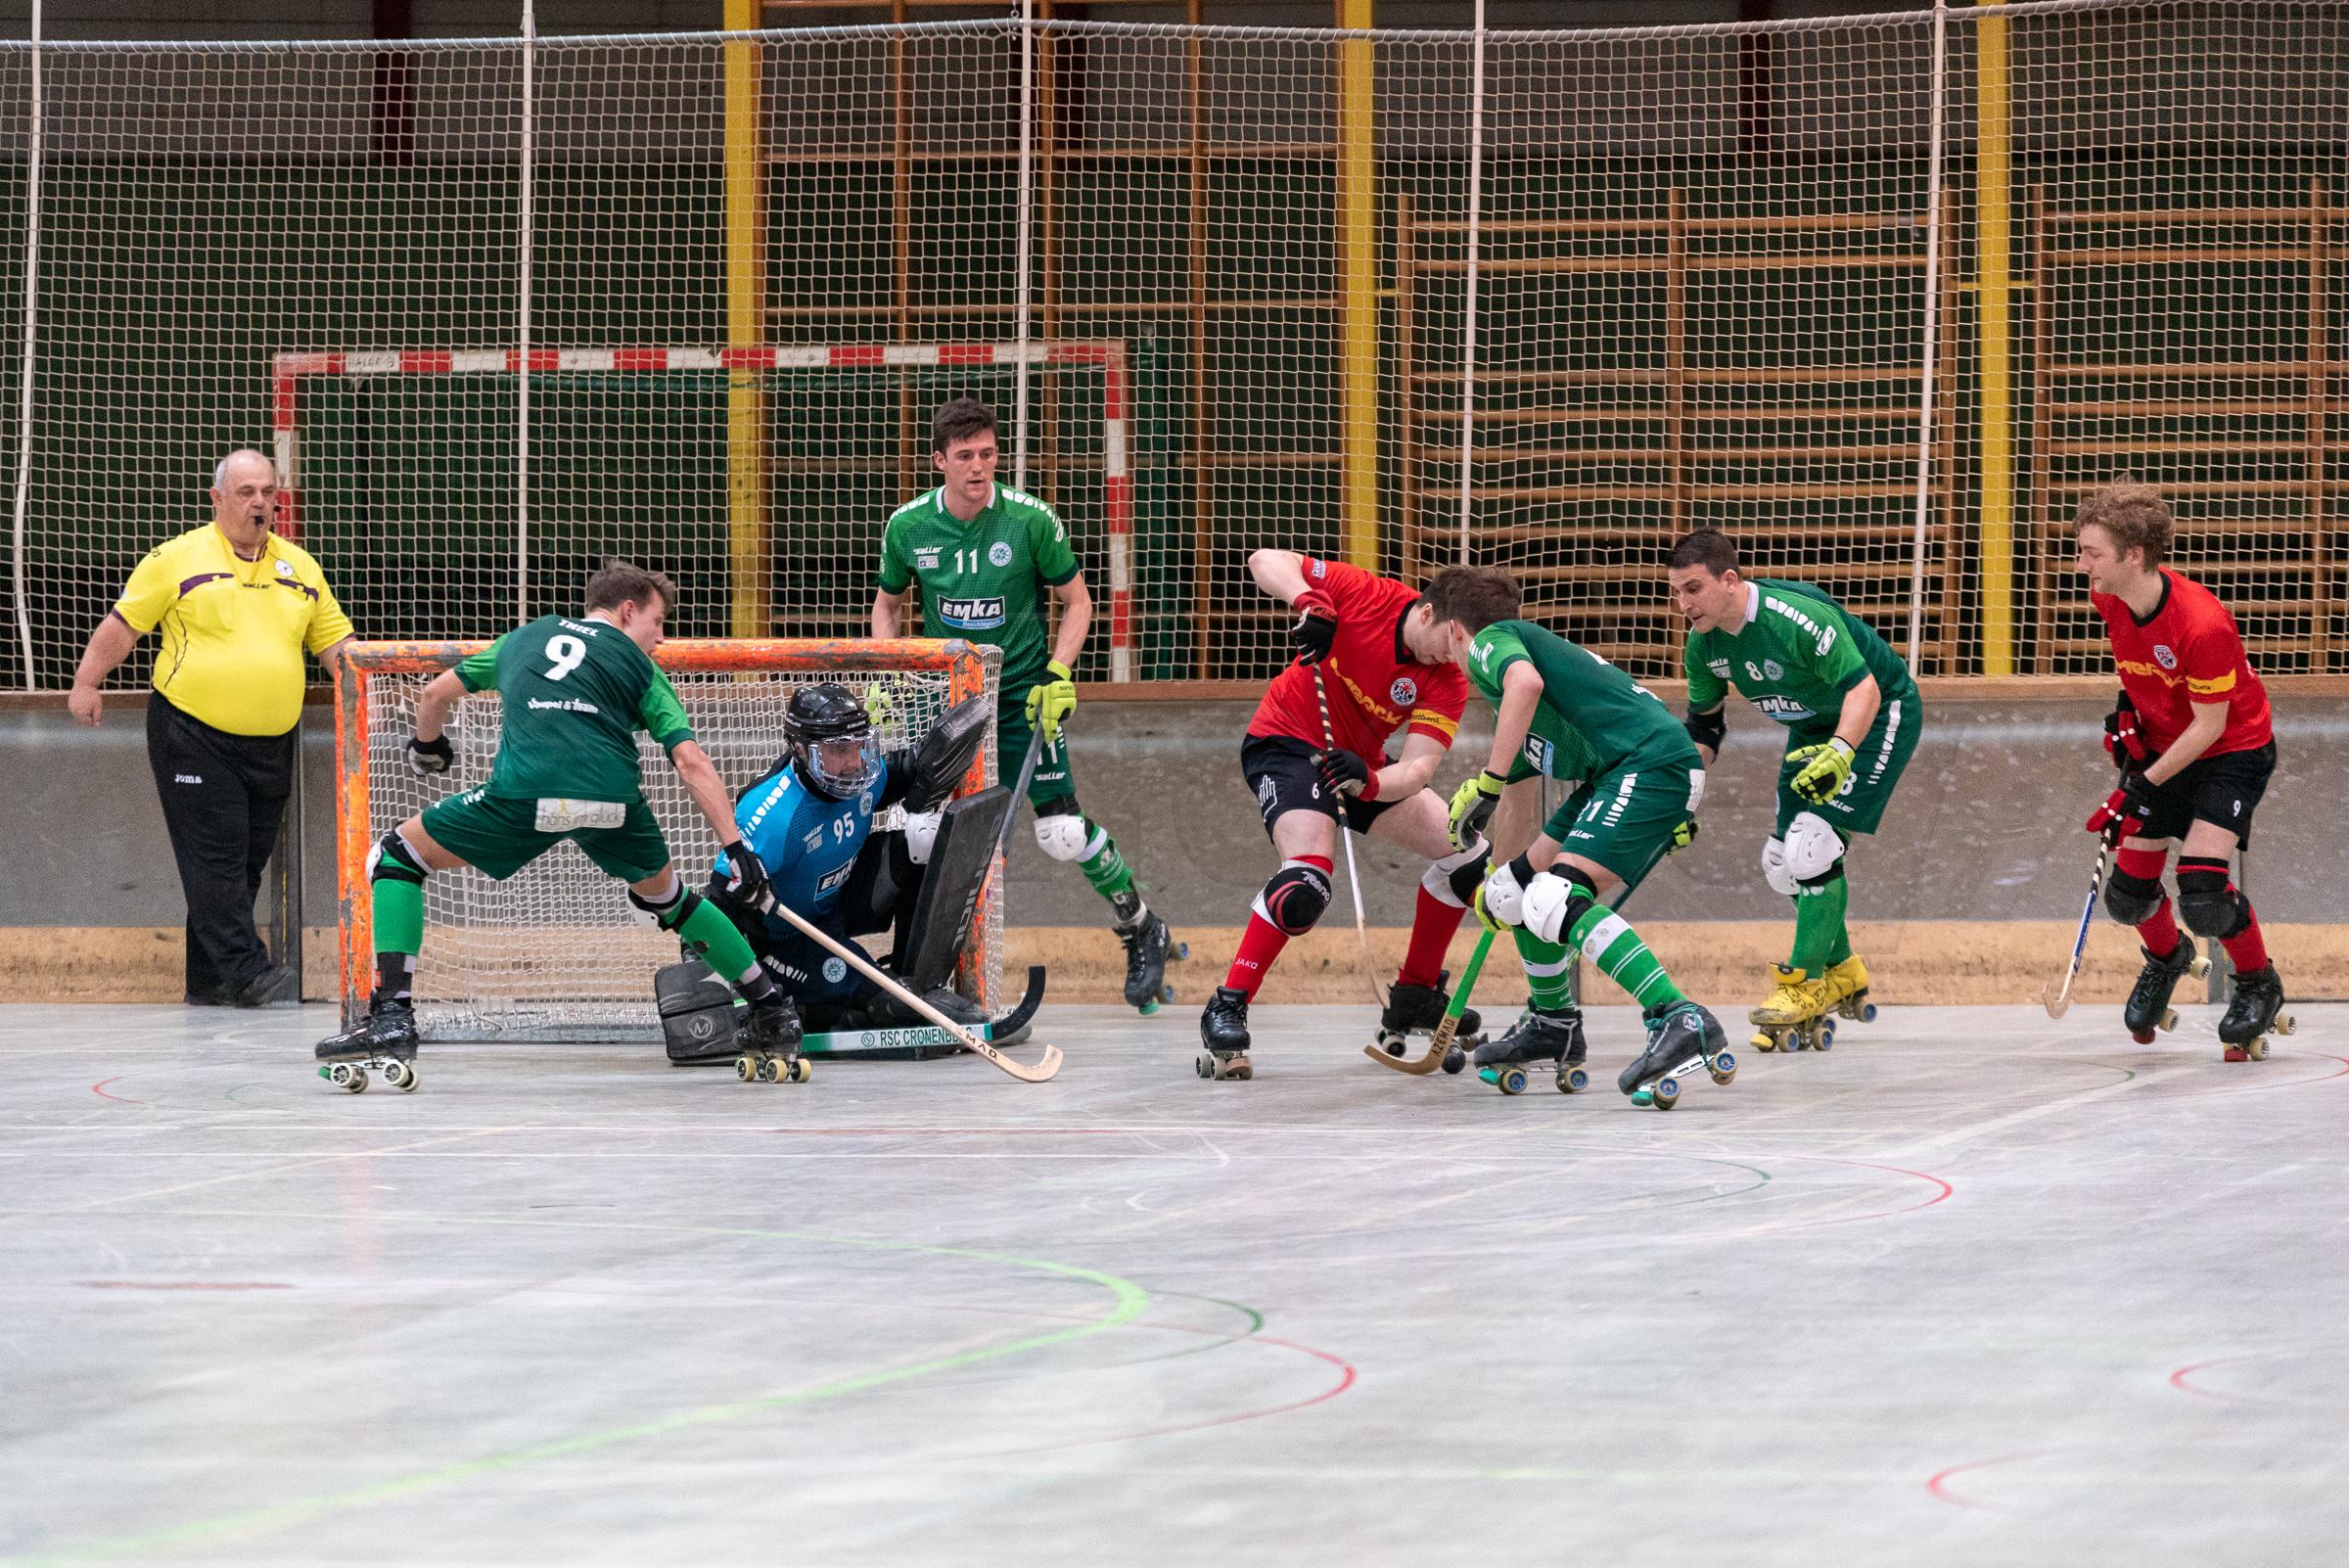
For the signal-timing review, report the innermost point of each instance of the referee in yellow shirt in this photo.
(237, 606)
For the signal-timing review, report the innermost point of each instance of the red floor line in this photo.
(1937, 1483)
(99, 1089)
(1881, 1213)
(1346, 1374)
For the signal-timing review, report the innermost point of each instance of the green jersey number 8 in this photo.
(564, 655)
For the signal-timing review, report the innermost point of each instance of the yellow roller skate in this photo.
(1847, 990)
(1794, 1018)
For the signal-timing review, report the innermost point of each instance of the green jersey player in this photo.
(573, 692)
(978, 550)
(1852, 720)
(1562, 711)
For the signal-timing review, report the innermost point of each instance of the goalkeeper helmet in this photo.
(831, 741)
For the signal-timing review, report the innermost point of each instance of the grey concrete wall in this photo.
(1985, 826)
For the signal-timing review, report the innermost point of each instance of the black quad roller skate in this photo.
(1223, 1036)
(1682, 1036)
(384, 1041)
(1418, 1010)
(1539, 1034)
(2149, 1007)
(2256, 1007)
(770, 1045)
(1149, 945)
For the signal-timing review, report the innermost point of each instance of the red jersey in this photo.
(1375, 684)
(2188, 652)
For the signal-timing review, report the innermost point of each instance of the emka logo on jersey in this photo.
(1405, 691)
(1785, 710)
(1537, 752)
(2167, 659)
(972, 615)
(999, 554)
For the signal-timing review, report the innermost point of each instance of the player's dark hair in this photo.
(1474, 596)
(1709, 548)
(619, 583)
(959, 418)
(2134, 514)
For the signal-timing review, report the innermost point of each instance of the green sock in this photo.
(398, 935)
(1548, 970)
(709, 930)
(1107, 871)
(1608, 941)
(1817, 923)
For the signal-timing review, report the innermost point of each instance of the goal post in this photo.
(554, 951)
(795, 526)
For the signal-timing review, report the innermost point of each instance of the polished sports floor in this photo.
(1972, 1289)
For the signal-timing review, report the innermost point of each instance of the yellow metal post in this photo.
(746, 411)
(1357, 281)
(1994, 243)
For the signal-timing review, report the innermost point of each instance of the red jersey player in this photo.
(2192, 739)
(1384, 664)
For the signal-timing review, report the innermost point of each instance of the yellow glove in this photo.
(1052, 699)
(1472, 806)
(1485, 917)
(1825, 768)
(1683, 836)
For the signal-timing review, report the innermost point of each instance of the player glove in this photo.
(1344, 774)
(1472, 806)
(746, 877)
(1681, 837)
(2125, 810)
(1052, 700)
(2124, 741)
(1824, 769)
(431, 757)
(1316, 626)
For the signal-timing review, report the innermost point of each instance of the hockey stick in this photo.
(1045, 1068)
(1438, 1043)
(1354, 875)
(1035, 748)
(2056, 1000)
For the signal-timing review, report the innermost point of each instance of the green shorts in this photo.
(1625, 822)
(1053, 781)
(1875, 768)
(497, 836)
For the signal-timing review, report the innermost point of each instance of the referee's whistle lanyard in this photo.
(259, 564)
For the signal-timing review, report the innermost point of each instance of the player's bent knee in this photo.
(1063, 833)
(1555, 902)
(1813, 846)
(1453, 880)
(1294, 898)
(391, 860)
(2210, 907)
(669, 909)
(2130, 900)
(1773, 868)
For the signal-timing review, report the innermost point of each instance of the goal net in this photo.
(554, 953)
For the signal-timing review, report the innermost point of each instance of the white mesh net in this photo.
(554, 953)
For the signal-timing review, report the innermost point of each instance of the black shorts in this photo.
(2223, 789)
(1280, 769)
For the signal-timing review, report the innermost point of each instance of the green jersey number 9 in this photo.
(564, 655)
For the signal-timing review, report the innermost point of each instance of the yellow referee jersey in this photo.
(234, 630)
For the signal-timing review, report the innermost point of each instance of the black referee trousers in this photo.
(225, 797)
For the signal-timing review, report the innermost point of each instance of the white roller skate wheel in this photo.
(1667, 1093)
(745, 1069)
(1511, 1081)
(400, 1076)
(1205, 1064)
(1573, 1081)
(2258, 1049)
(2284, 1024)
(801, 1069)
(357, 1082)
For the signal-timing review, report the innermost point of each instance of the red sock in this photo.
(1262, 941)
(2159, 931)
(2246, 949)
(1432, 924)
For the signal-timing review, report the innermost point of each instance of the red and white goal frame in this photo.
(288, 372)
(964, 667)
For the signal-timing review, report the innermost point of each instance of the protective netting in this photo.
(554, 952)
(1702, 261)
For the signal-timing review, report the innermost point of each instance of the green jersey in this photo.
(1592, 720)
(979, 577)
(573, 694)
(1797, 654)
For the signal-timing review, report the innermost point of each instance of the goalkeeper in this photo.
(979, 550)
(573, 694)
(1852, 717)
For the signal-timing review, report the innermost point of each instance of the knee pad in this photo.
(1773, 868)
(1453, 880)
(1296, 896)
(669, 910)
(391, 860)
(921, 834)
(2130, 899)
(1812, 848)
(1063, 833)
(1553, 903)
(2208, 903)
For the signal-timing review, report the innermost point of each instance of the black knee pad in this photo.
(1297, 896)
(392, 862)
(2208, 903)
(2130, 899)
(672, 914)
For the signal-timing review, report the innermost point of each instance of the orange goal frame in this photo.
(963, 664)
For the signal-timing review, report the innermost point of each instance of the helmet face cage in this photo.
(831, 739)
